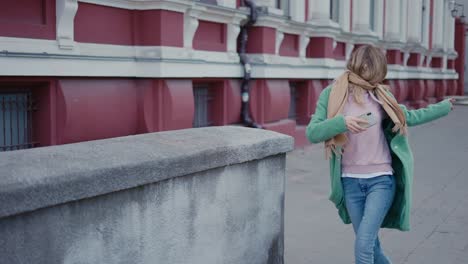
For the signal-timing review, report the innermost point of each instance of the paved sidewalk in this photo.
(439, 234)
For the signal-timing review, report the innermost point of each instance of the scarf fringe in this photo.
(401, 129)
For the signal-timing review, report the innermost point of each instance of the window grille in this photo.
(16, 120)
(203, 100)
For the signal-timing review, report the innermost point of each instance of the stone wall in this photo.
(209, 195)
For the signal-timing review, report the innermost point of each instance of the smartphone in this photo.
(370, 119)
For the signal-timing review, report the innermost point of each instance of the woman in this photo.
(371, 165)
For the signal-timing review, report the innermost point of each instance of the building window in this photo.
(293, 89)
(372, 20)
(213, 2)
(283, 5)
(203, 98)
(16, 129)
(424, 22)
(335, 10)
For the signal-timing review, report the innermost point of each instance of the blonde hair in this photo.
(370, 64)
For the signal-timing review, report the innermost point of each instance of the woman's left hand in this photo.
(452, 101)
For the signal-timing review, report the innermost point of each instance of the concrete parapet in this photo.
(207, 195)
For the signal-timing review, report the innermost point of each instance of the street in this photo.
(314, 234)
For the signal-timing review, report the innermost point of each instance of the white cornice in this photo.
(219, 14)
(207, 12)
(145, 68)
(171, 5)
(31, 57)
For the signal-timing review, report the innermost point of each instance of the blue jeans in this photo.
(367, 202)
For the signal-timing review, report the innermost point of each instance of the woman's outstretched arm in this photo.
(427, 114)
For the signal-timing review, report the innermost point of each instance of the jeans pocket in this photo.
(346, 182)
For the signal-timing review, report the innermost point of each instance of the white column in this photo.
(414, 21)
(361, 16)
(319, 10)
(438, 25)
(392, 25)
(296, 10)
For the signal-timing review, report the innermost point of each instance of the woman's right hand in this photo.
(352, 123)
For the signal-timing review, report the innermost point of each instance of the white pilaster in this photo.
(426, 21)
(65, 13)
(392, 25)
(378, 17)
(345, 15)
(361, 16)
(404, 20)
(319, 11)
(296, 10)
(414, 21)
(449, 33)
(438, 25)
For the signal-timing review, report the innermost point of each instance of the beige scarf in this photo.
(339, 95)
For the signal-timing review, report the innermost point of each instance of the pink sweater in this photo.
(366, 152)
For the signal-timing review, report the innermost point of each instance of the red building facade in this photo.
(95, 69)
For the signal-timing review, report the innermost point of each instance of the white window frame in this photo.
(376, 11)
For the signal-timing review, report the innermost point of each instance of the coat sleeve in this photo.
(320, 128)
(427, 114)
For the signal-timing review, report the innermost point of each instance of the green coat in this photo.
(321, 129)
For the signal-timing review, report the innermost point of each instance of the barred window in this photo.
(16, 128)
(203, 98)
(293, 89)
